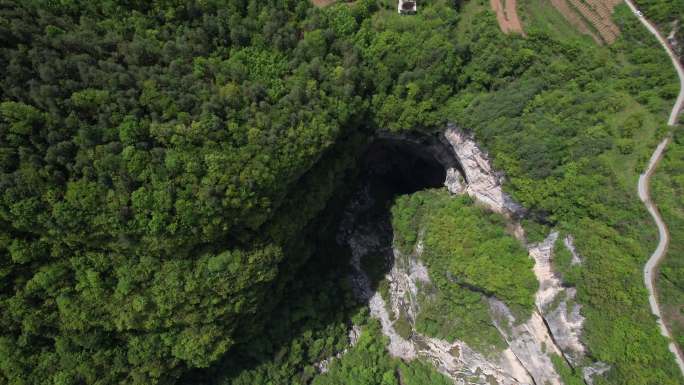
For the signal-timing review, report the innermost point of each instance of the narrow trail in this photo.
(651, 266)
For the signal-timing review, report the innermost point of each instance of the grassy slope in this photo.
(541, 14)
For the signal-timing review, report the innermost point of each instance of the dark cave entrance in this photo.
(391, 165)
(395, 165)
(401, 168)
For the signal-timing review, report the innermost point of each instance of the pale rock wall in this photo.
(566, 326)
(482, 183)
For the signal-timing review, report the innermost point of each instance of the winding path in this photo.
(651, 266)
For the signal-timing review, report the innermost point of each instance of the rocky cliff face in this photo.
(482, 183)
(556, 303)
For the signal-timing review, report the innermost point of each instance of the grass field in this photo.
(543, 15)
(568, 18)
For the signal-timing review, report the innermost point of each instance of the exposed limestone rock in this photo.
(368, 240)
(530, 342)
(466, 366)
(483, 184)
(555, 326)
(457, 360)
(565, 324)
(596, 369)
(398, 346)
(454, 182)
(403, 281)
(569, 243)
(549, 284)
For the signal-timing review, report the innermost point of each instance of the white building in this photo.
(406, 7)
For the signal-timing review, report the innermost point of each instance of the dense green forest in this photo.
(171, 174)
(153, 161)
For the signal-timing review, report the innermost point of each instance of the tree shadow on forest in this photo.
(320, 300)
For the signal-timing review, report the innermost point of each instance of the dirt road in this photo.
(651, 266)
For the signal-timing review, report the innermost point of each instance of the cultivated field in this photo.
(322, 3)
(591, 17)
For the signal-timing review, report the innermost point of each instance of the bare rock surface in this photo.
(556, 305)
(454, 182)
(596, 369)
(569, 243)
(530, 342)
(454, 359)
(556, 302)
(483, 184)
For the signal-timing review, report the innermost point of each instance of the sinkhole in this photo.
(391, 165)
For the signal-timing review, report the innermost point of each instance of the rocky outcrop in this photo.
(454, 359)
(556, 325)
(405, 278)
(482, 183)
(557, 303)
(597, 369)
(454, 181)
(569, 243)
(530, 342)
